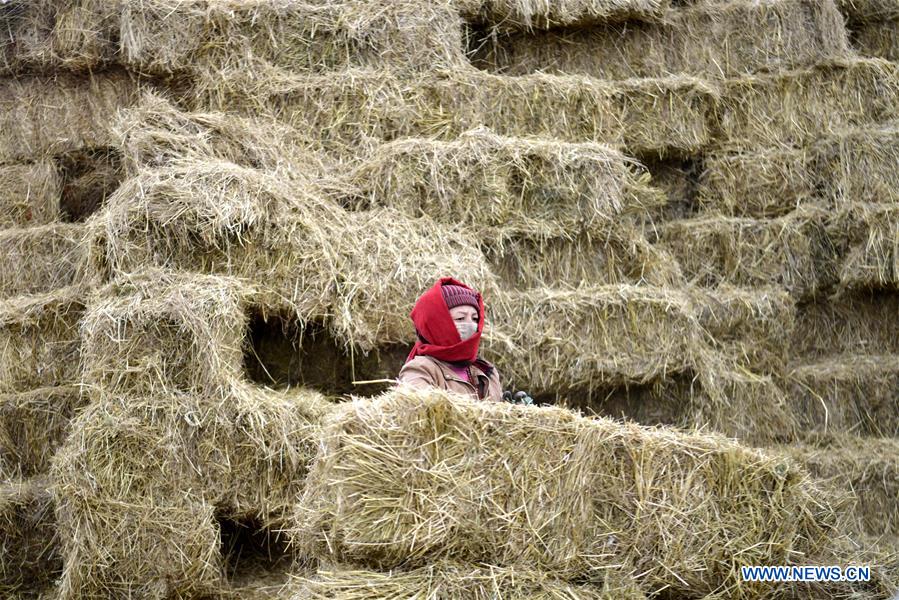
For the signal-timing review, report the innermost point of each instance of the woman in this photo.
(449, 319)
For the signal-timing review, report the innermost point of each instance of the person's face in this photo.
(464, 313)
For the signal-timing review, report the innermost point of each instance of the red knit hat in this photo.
(456, 295)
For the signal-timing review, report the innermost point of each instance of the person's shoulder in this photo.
(421, 363)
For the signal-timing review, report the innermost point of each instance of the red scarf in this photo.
(433, 322)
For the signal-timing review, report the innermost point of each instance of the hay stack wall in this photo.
(214, 221)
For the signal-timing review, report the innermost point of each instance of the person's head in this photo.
(463, 307)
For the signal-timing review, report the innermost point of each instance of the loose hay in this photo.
(155, 133)
(29, 561)
(33, 425)
(213, 216)
(718, 40)
(446, 580)
(42, 259)
(304, 254)
(29, 194)
(413, 476)
(42, 115)
(140, 487)
(853, 394)
(39, 343)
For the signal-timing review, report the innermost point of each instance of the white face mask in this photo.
(466, 330)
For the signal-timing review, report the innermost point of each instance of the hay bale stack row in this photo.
(160, 37)
(711, 40)
(55, 167)
(853, 165)
(587, 499)
(530, 203)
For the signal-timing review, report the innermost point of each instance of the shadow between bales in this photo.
(250, 550)
(280, 353)
(89, 177)
(661, 402)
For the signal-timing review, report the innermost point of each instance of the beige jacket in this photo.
(427, 371)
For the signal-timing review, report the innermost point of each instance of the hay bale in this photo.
(717, 40)
(42, 115)
(168, 36)
(852, 165)
(39, 343)
(417, 475)
(357, 109)
(795, 251)
(663, 116)
(143, 486)
(33, 425)
(528, 14)
(770, 182)
(796, 107)
(446, 580)
(752, 325)
(573, 339)
(483, 179)
(618, 256)
(30, 560)
(29, 194)
(854, 323)
(175, 333)
(860, 164)
(212, 216)
(730, 400)
(873, 240)
(42, 259)
(854, 393)
(739, 403)
(47, 35)
(868, 467)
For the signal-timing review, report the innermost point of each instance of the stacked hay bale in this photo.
(413, 477)
(55, 125)
(679, 213)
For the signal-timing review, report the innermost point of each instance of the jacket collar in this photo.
(480, 367)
